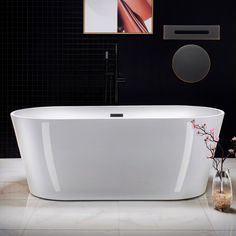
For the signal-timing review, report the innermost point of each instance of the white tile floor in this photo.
(23, 214)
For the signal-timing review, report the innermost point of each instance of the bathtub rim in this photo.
(14, 114)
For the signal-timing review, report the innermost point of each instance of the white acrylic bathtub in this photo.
(82, 153)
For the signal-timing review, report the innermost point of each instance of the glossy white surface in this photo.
(129, 112)
(80, 153)
(25, 215)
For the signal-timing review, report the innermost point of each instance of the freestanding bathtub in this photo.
(115, 152)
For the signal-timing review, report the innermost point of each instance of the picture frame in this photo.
(118, 16)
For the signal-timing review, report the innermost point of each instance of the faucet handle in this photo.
(110, 73)
(121, 80)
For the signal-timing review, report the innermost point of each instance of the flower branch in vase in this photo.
(222, 186)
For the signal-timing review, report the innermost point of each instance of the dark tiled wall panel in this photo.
(47, 61)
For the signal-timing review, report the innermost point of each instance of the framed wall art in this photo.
(118, 16)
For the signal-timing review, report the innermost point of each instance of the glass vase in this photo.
(222, 194)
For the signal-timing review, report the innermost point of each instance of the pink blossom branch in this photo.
(210, 138)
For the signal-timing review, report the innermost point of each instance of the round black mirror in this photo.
(191, 63)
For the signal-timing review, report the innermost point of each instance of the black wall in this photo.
(46, 60)
(146, 61)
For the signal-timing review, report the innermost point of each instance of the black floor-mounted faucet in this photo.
(112, 80)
